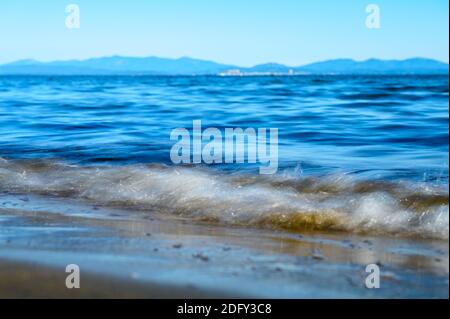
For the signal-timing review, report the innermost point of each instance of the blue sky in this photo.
(243, 32)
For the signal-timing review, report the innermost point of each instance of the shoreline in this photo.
(125, 254)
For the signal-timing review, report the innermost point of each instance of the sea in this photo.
(356, 154)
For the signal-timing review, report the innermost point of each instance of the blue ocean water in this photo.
(393, 127)
(356, 153)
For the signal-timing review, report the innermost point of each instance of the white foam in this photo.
(232, 198)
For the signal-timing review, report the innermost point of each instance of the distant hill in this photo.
(375, 66)
(268, 68)
(118, 65)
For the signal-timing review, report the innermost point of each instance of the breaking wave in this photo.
(333, 203)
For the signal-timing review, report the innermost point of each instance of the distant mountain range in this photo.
(375, 66)
(118, 65)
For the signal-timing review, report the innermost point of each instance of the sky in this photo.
(240, 32)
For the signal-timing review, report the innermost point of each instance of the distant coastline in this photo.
(118, 65)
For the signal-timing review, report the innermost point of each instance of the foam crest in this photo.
(334, 203)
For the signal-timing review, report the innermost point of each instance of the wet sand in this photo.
(34, 281)
(136, 254)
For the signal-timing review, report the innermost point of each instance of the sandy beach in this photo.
(137, 255)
